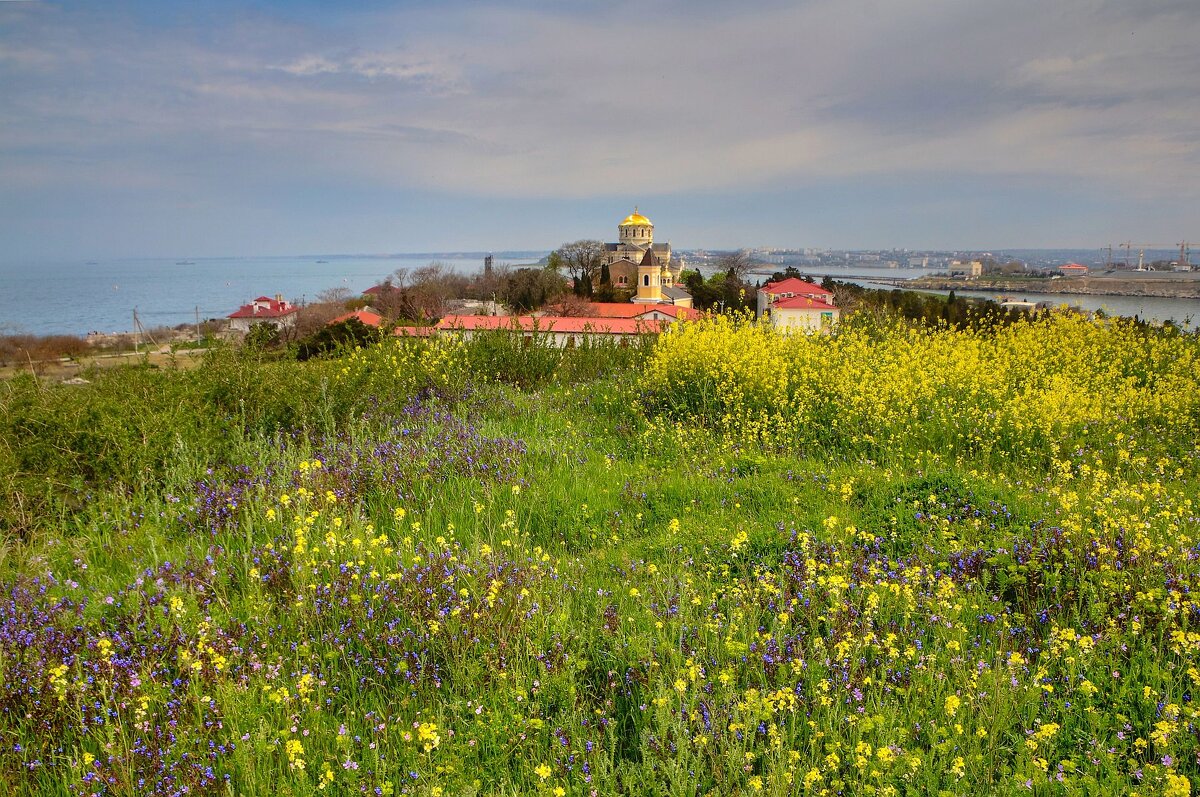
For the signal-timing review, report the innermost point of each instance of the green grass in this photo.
(535, 583)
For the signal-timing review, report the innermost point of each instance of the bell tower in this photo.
(649, 287)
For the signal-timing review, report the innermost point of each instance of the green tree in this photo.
(530, 288)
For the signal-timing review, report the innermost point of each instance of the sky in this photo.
(131, 129)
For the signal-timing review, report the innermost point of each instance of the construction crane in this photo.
(1129, 246)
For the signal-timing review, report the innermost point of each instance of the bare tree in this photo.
(311, 318)
(582, 260)
(572, 305)
(339, 295)
(738, 263)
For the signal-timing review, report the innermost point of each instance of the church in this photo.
(637, 264)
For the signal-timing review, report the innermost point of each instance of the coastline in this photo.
(1177, 287)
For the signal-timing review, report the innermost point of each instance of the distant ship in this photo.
(322, 261)
(185, 262)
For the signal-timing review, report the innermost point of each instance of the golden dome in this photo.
(636, 219)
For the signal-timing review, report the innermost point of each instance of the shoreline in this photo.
(1154, 288)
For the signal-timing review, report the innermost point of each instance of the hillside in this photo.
(893, 560)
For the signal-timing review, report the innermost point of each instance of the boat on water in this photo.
(322, 261)
(185, 262)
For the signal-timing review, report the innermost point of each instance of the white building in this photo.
(794, 305)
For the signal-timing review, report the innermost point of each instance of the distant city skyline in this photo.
(143, 129)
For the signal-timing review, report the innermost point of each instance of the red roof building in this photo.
(277, 312)
(1074, 269)
(373, 320)
(772, 293)
(562, 331)
(657, 312)
(794, 286)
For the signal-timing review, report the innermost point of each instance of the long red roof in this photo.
(572, 324)
(631, 310)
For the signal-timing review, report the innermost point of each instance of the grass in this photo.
(483, 570)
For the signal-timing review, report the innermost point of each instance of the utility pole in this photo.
(197, 324)
(137, 334)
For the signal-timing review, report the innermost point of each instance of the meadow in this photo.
(895, 560)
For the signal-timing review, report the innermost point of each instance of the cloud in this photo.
(396, 66)
(614, 99)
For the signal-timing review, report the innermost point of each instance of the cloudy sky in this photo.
(222, 128)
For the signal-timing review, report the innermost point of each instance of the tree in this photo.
(336, 295)
(582, 260)
(337, 337)
(529, 288)
(419, 294)
(574, 306)
(739, 264)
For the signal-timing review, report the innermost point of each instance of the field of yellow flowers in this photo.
(888, 561)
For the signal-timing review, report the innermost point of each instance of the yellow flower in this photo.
(542, 770)
(1177, 786)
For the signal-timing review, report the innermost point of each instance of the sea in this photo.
(76, 297)
(1183, 312)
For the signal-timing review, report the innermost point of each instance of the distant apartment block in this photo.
(965, 269)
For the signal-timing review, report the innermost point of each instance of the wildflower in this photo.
(427, 736)
(542, 770)
(294, 749)
(1177, 786)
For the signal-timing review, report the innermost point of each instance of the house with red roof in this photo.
(794, 304)
(365, 316)
(802, 314)
(1073, 270)
(277, 312)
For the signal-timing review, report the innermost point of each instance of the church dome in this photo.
(635, 219)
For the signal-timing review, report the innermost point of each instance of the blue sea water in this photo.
(76, 298)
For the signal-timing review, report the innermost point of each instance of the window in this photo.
(646, 280)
